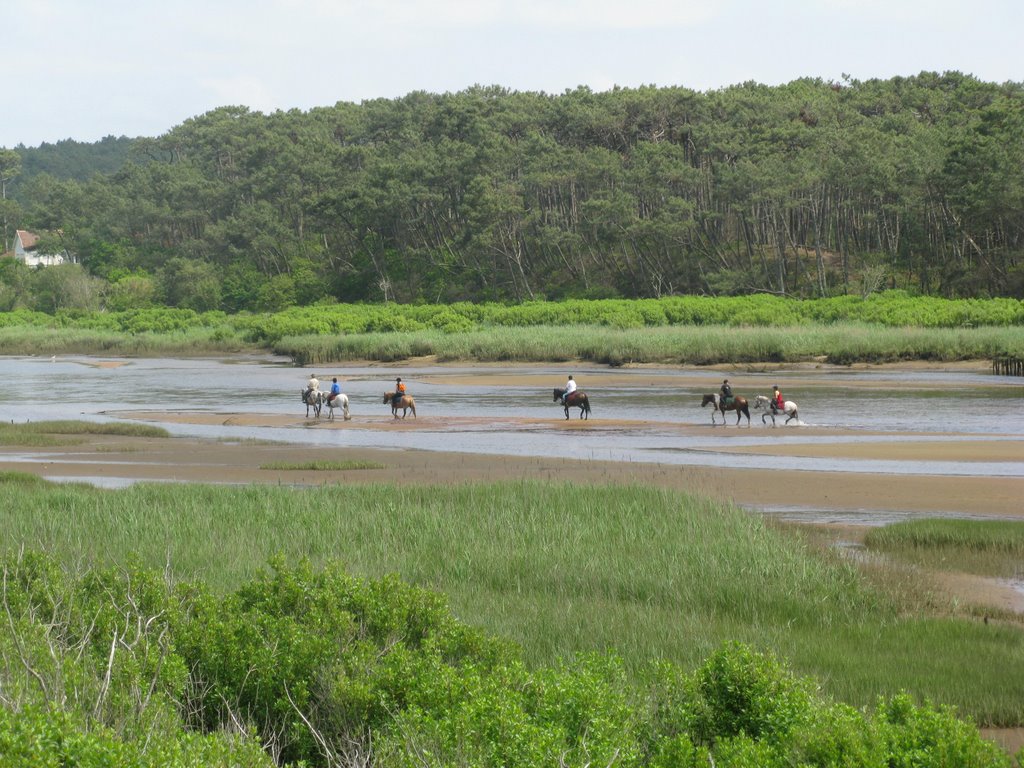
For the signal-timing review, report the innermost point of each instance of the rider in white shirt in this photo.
(313, 385)
(570, 387)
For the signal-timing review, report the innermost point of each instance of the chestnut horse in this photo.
(405, 402)
(738, 404)
(576, 400)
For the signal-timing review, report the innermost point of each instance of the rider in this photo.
(570, 387)
(778, 404)
(399, 388)
(313, 385)
(726, 393)
(335, 389)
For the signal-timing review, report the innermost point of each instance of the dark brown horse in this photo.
(405, 402)
(576, 400)
(738, 404)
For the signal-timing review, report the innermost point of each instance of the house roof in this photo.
(28, 239)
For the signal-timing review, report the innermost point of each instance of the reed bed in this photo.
(558, 568)
(50, 433)
(322, 466)
(841, 344)
(985, 547)
(46, 341)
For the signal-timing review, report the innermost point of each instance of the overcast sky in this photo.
(85, 69)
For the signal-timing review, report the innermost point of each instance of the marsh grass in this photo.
(74, 427)
(323, 466)
(559, 568)
(54, 433)
(841, 343)
(984, 547)
(46, 341)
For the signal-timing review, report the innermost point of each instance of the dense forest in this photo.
(809, 189)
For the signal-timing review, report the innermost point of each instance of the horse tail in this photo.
(586, 403)
(344, 405)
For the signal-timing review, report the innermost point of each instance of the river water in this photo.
(643, 420)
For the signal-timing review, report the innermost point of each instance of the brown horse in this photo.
(405, 402)
(576, 400)
(738, 404)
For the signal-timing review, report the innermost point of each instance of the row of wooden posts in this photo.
(1008, 366)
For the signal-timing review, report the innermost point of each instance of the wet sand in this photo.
(750, 483)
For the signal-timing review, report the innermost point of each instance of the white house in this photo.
(25, 251)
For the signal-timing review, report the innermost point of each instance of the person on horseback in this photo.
(335, 389)
(778, 404)
(570, 387)
(313, 385)
(399, 388)
(726, 393)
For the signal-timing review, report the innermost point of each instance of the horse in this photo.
(575, 400)
(405, 402)
(738, 404)
(788, 408)
(313, 399)
(338, 401)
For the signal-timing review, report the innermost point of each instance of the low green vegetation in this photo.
(323, 466)
(558, 569)
(53, 433)
(885, 327)
(986, 547)
(119, 666)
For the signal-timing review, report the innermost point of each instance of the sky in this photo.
(86, 69)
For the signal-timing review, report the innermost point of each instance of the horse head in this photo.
(558, 394)
(388, 397)
(709, 399)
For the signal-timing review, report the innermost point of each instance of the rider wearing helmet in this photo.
(335, 389)
(726, 392)
(399, 388)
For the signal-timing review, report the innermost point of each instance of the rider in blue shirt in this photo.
(335, 389)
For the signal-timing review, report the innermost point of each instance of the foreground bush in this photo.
(119, 667)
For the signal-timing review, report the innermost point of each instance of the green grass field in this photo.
(985, 547)
(559, 569)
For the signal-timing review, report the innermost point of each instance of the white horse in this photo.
(338, 401)
(313, 399)
(788, 407)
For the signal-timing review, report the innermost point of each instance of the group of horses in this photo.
(742, 408)
(315, 401)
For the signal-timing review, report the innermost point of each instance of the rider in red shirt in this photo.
(778, 404)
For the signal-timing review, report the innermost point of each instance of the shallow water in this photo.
(523, 420)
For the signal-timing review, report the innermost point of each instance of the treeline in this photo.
(806, 189)
(312, 667)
